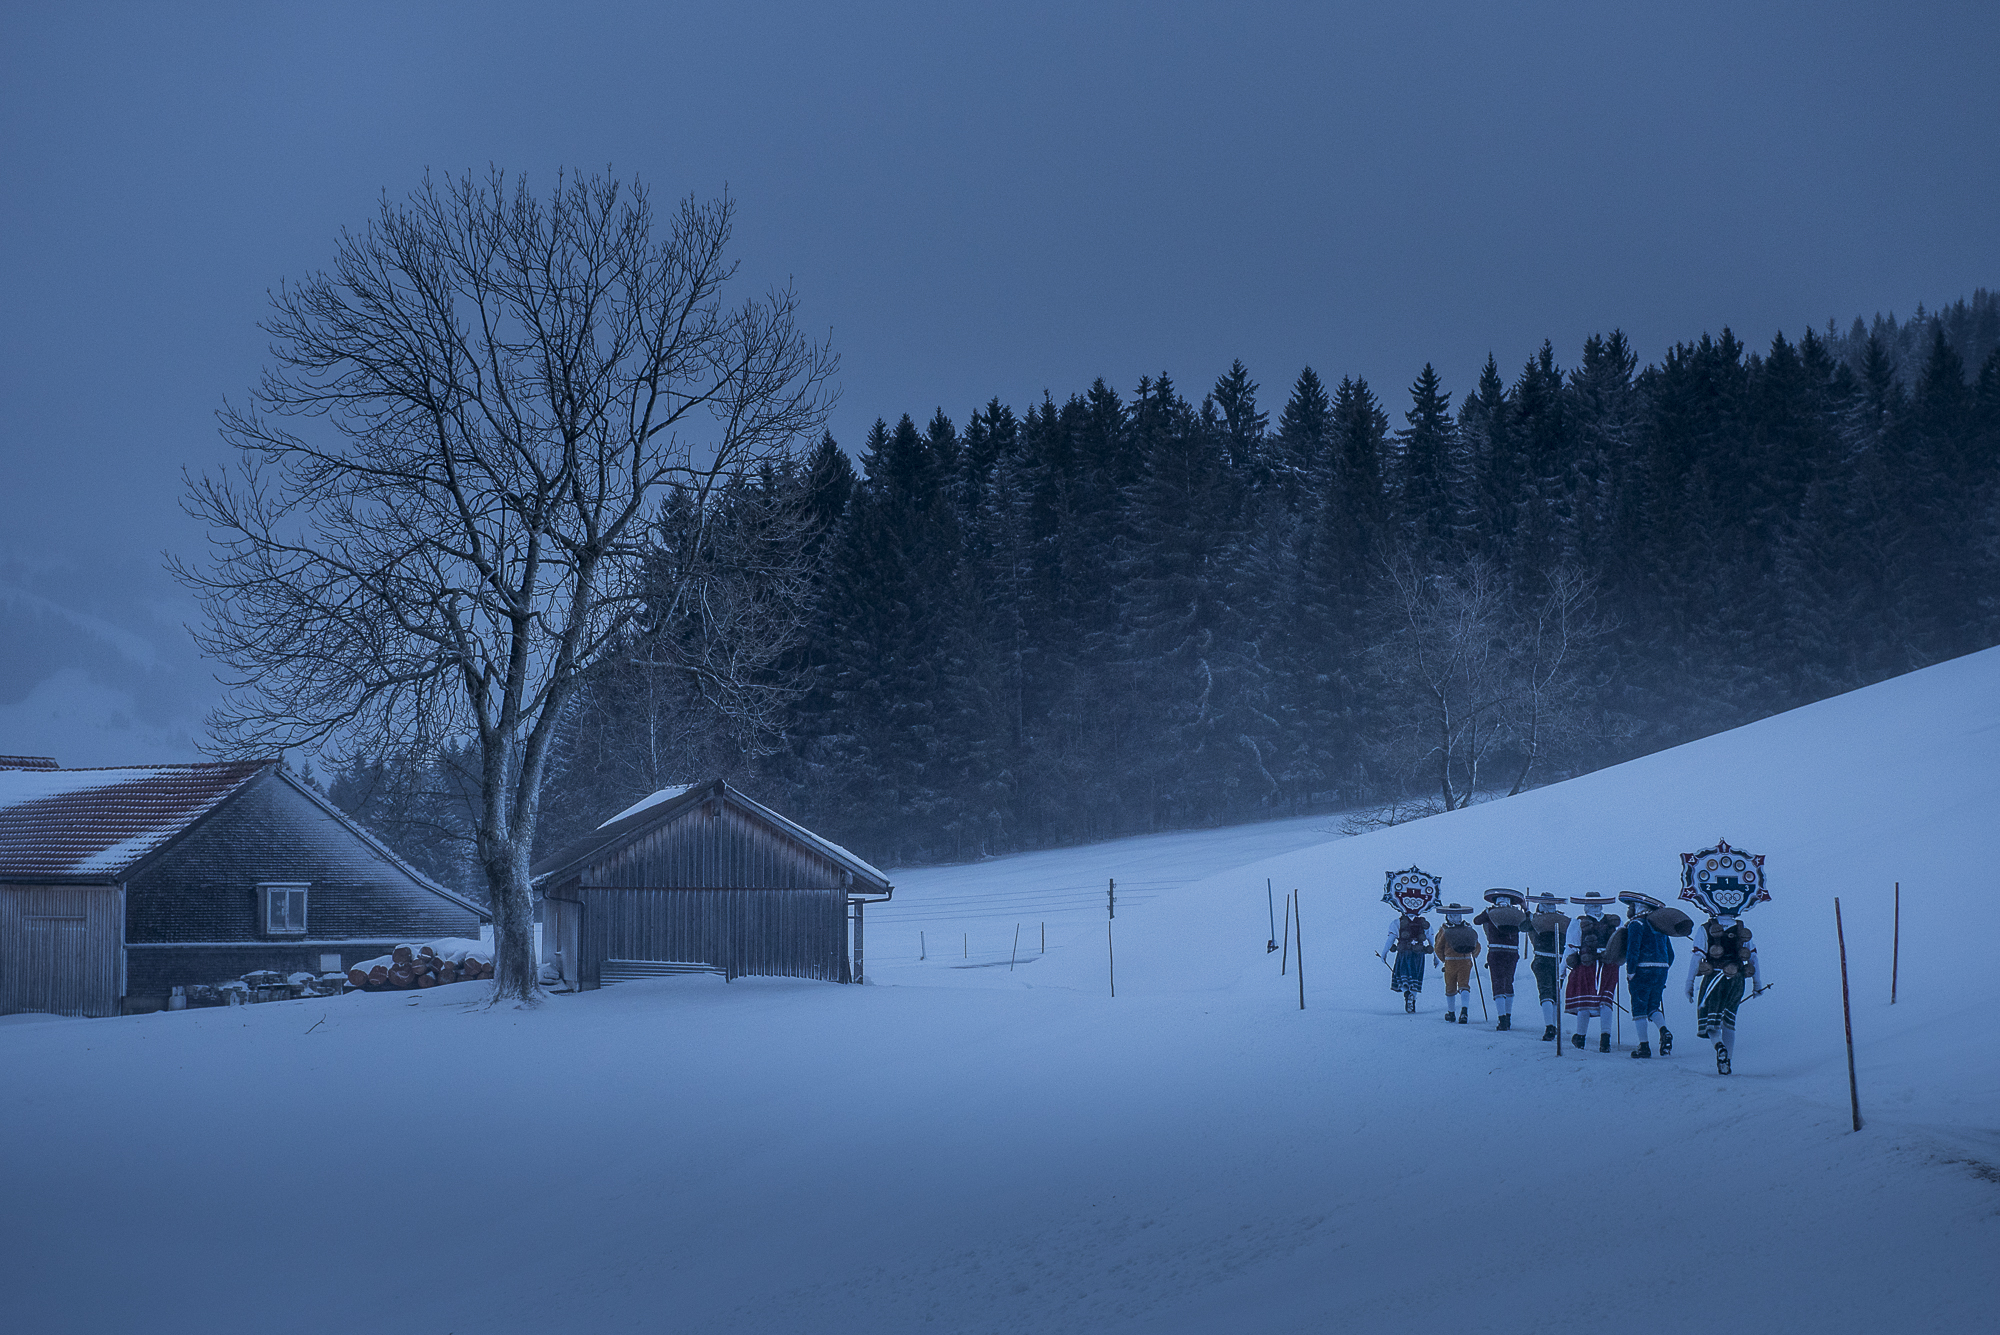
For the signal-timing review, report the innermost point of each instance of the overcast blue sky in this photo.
(973, 200)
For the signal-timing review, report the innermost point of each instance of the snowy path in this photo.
(963, 1149)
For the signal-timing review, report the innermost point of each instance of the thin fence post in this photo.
(1896, 950)
(1847, 1015)
(1016, 954)
(1110, 912)
(1298, 930)
(923, 951)
(1285, 960)
(1271, 916)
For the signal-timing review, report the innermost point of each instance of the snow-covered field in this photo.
(965, 1147)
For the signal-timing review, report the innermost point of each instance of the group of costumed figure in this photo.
(1576, 959)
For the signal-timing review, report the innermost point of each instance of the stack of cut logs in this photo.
(452, 960)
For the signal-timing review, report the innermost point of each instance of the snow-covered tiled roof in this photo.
(103, 822)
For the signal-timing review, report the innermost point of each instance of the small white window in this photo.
(284, 908)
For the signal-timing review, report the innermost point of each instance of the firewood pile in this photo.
(432, 964)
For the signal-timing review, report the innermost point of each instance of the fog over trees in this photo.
(1110, 612)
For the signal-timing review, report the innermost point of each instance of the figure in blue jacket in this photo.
(1645, 945)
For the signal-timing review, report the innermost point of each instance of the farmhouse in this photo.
(117, 885)
(701, 876)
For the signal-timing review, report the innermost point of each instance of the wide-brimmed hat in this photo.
(1503, 896)
(1634, 897)
(1546, 898)
(1456, 910)
(1592, 901)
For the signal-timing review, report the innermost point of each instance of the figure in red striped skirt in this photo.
(1592, 982)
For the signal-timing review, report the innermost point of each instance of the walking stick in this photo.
(1562, 976)
(1484, 1017)
(1618, 1017)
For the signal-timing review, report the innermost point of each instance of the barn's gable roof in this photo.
(362, 833)
(105, 825)
(98, 824)
(670, 804)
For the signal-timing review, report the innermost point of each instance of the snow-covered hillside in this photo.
(968, 1147)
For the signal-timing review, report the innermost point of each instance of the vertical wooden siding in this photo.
(766, 905)
(60, 948)
(712, 847)
(784, 933)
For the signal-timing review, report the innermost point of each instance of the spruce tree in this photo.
(1428, 518)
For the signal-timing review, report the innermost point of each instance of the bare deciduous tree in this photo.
(439, 523)
(1543, 710)
(1479, 675)
(1447, 655)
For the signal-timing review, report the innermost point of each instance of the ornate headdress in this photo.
(1410, 891)
(1726, 881)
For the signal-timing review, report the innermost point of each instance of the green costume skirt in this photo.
(1716, 1003)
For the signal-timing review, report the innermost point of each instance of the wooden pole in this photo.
(922, 951)
(1270, 915)
(1298, 930)
(1285, 960)
(859, 977)
(1045, 938)
(1896, 950)
(1847, 1015)
(1482, 991)
(1017, 948)
(1110, 912)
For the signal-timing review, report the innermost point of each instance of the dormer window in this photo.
(284, 907)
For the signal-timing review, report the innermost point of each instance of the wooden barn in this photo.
(702, 877)
(117, 885)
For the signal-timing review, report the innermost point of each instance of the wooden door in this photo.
(59, 948)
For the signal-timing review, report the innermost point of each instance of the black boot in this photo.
(1604, 1042)
(1506, 1022)
(1666, 1040)
(1643, 1050)
(1721, 1060)
(1576, 1039)
(1449, 1018)
(1548, 1033)
(1409, 1003)
(1463, 1018)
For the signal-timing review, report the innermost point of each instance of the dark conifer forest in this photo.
(1158, 606)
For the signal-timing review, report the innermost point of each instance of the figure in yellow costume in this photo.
(1457, 946)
